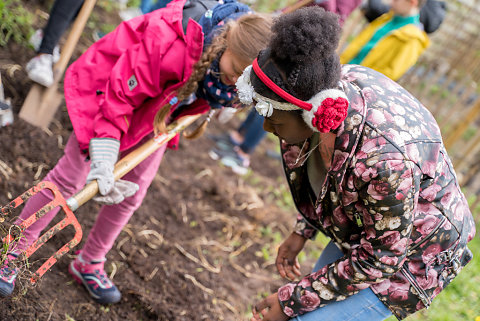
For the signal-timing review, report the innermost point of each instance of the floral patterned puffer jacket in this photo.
(390, 201)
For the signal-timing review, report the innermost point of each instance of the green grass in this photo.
(15, 22)
(268, 5)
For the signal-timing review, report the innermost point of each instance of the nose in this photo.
(267, 127)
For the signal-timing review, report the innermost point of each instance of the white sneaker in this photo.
(130, 13)
(36, 40)
(6, 115)
(39, 69)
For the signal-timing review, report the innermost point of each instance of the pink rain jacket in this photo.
(117, 86)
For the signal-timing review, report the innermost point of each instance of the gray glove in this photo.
(119, 192)
(104, 154)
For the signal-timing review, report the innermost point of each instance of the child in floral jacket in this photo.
(367, 167)
(149, 71)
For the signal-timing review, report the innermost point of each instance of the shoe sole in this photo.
(77, 277)
(213, 155)
(40, 81)
(235, 168)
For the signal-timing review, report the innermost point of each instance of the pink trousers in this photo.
(69, 175)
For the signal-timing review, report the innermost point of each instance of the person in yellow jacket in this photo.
(392, 43)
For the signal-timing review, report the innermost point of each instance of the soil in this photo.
(194, 250)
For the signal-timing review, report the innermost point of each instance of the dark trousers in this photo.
(61, 16)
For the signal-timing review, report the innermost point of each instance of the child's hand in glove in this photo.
(104, 154)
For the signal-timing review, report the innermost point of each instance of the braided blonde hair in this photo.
(245, 37)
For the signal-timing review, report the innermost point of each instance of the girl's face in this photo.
(231, 67)
(288, 125)
(403, 7)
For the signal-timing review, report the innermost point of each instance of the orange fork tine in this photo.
(69, 219)
(90, 190)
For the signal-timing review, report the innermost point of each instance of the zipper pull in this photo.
(317, 202)
(358, 219)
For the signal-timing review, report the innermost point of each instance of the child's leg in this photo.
(158, 5)
(61, 16)
(251, 120)
(69, 176)
(329, 255)
(253, 133)
(363, 306)
(113, 218)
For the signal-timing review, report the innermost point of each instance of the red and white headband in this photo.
(323, 112)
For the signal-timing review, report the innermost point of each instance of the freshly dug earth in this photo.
(201, 247)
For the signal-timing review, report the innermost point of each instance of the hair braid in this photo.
(245, 37)
(218, 45)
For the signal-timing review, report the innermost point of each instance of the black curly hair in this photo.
(301, 57)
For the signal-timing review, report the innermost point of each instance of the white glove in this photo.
(119, 192)
(104, 154)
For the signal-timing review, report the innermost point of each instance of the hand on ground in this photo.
(269, 309)
(287, 257)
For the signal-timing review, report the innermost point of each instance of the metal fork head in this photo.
(69, 219)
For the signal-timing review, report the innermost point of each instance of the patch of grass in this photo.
(133, 3)
(268, 5)
(68, 318)
(280, 195)
(105, 309)
(252, 179)
(15, 22)
(97, 21)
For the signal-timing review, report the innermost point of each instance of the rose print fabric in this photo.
(390, 200)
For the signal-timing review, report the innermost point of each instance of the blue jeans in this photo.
(62, 14)
(147, 6)
(363, 306)
(252, 131)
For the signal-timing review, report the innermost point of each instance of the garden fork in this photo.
(68, 206)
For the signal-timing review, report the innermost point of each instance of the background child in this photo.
(40, 67)
(6, 114)
(234, 148)
(367, 167)
(341, 7)
(392, 43)
(113, 92)
(432, 12)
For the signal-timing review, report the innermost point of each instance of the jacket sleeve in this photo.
(405, 57)
(387, 202)
(138, 74)
(354, 47)
(305, 229)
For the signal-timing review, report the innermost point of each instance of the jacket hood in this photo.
(409, 32)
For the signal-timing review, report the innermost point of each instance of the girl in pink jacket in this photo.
(113, 93)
